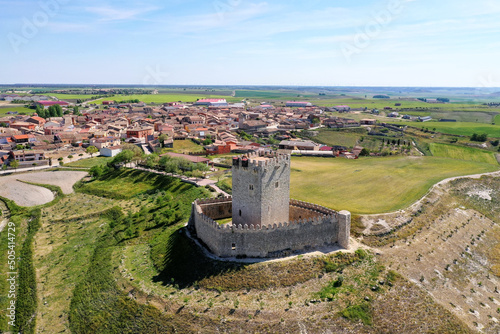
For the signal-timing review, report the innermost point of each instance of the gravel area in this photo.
(29, 195)
(63, 179)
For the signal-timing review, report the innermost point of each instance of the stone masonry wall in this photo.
(326, 228)
(261, 189)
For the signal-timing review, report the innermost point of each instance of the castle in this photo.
(265, 221)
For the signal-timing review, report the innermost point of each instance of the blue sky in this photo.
(247, 42)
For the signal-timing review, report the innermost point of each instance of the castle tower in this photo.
(261, 189)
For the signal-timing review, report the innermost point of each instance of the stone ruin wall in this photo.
(318, 226)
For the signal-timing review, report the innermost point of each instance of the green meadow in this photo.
(90, 162)
(374, 185)
(164, 98)
(5, 109)
(462, 153)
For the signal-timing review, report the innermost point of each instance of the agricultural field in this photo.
(373, 185)
(164, 98)
(342, 138)
(462, 153)
(461, 128)
(5, 108)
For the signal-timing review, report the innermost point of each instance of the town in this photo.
(58, 129)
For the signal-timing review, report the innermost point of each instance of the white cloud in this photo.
(108, 13)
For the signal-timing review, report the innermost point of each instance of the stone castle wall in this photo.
(261, 189)
(318, 227)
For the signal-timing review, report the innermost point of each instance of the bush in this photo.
(479, 137)
(359, 312)
(70, 156)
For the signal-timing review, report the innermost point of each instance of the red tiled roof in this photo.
(51, 103)
(212, 100)
(20, 136)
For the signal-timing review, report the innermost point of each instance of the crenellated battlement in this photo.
(265, 221)
(213, 200)
(319, 226)
(261, 160)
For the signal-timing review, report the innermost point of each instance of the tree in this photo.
(479, 137)
(124, 156)
(364, 152)
(152, 160)
(52, 111)
(162, 139)
(40, 111)
(91, 150)
(14, 164)
(58, 109)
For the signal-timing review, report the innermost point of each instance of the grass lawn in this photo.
(373, 185)
(89, 163)
(185, 146)
(461, 128)
(462, 153)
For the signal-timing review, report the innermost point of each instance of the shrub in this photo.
(359, 312)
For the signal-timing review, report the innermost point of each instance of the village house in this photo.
(27, 155)
(142, 132)
(110, 151)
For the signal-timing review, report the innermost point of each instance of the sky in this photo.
(450, 43)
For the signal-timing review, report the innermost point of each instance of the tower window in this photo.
(250, 187)
(233, 246)
(240, 213)
(276, 184)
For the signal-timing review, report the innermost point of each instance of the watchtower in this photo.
(261, 189)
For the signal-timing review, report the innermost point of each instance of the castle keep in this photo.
(265, 222)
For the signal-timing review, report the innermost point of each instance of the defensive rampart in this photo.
(310, 226)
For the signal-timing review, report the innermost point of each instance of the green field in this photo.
(185, 146)
(462, 153)
(164, 98)
(461, 128)
(5, 109)
(65, 97)
(333, 137)
(89, 163)
(373, 185)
